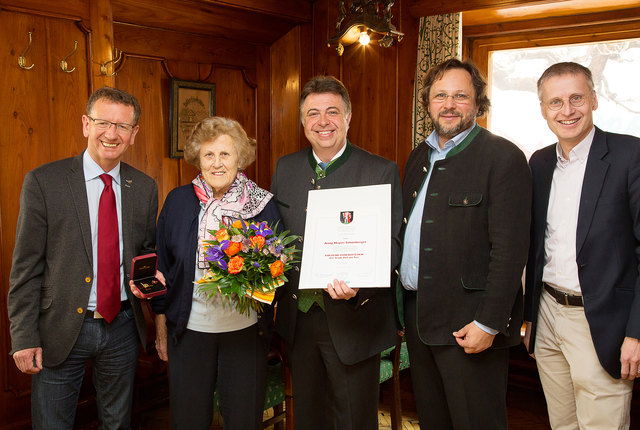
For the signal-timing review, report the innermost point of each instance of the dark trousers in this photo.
(327, 394)
(236, 361)
(113, 352)
(455, 390)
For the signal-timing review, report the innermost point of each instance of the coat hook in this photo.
(63, 63)
(22, 61)
(103, 67)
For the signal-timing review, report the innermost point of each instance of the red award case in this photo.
(143, 274)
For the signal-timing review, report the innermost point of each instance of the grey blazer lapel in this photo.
(128, 195)
(78, 192)
(594, 175)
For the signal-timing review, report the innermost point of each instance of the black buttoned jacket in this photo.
(474, 237)
(365, 325)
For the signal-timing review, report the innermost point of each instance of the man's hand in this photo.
(473, 339)
(136, 292)
(630, 358)
(161, 336)
(340, 291)
(29, 360)
(527, 337)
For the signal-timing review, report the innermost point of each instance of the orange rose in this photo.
(276, 268)
(233, 248)
(237, 224)
(235, 264)
(257, 241)
(222, 234)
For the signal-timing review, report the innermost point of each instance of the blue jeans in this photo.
(113, 351)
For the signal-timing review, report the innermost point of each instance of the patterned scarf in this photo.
(243, 200)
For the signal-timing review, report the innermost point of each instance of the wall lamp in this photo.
(364, 21)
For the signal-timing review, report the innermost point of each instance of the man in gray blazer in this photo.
(63, 308)
(334, 336)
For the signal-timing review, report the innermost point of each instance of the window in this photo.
(515, 112)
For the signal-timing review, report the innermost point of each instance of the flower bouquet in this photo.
(247, 262)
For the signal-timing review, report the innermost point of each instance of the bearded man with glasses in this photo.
(582, 303)
(81, 221)
(466, 197)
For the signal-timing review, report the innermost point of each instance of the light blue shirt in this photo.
(94, 187)
(411, 246)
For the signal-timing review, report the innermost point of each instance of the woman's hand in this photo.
(161, 337)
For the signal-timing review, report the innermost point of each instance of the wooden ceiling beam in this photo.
(291, 10)
(419, 8)
(203, 17)
(608, 17)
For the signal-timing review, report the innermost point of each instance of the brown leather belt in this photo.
(94, 314)
(564, 298)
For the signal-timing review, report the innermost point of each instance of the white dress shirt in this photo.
(560, 267)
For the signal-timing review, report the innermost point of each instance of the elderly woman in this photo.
(206, 343)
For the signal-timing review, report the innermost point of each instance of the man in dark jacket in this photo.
(582, 302)
(467, 197)
(334, 337)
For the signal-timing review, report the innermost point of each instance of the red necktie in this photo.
(108, 253)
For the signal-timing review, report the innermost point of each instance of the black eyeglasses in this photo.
(103, 124)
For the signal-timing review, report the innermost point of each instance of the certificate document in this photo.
(347, 236)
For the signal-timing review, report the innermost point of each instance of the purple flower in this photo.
(256, 264)
(215, 254)
(262, 229)
(274, 251)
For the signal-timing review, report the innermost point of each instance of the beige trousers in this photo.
(580, 393)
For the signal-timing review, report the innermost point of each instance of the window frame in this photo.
(479, 41)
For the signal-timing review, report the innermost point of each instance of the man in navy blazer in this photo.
(54, 295)
(582, 303)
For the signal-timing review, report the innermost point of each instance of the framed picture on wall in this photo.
(190, 103)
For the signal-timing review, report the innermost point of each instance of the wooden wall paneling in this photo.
(285, 93)
(406, 74)
(236, 99)
(102, 47)
(201, 17)
(326, 60)
(292, 9)
(24, 145)
(264, 165)
(369, 73)
(67, 91)
(191, 48)
(70, 9)
(185, 70)
(148, 81)
(41, 109)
